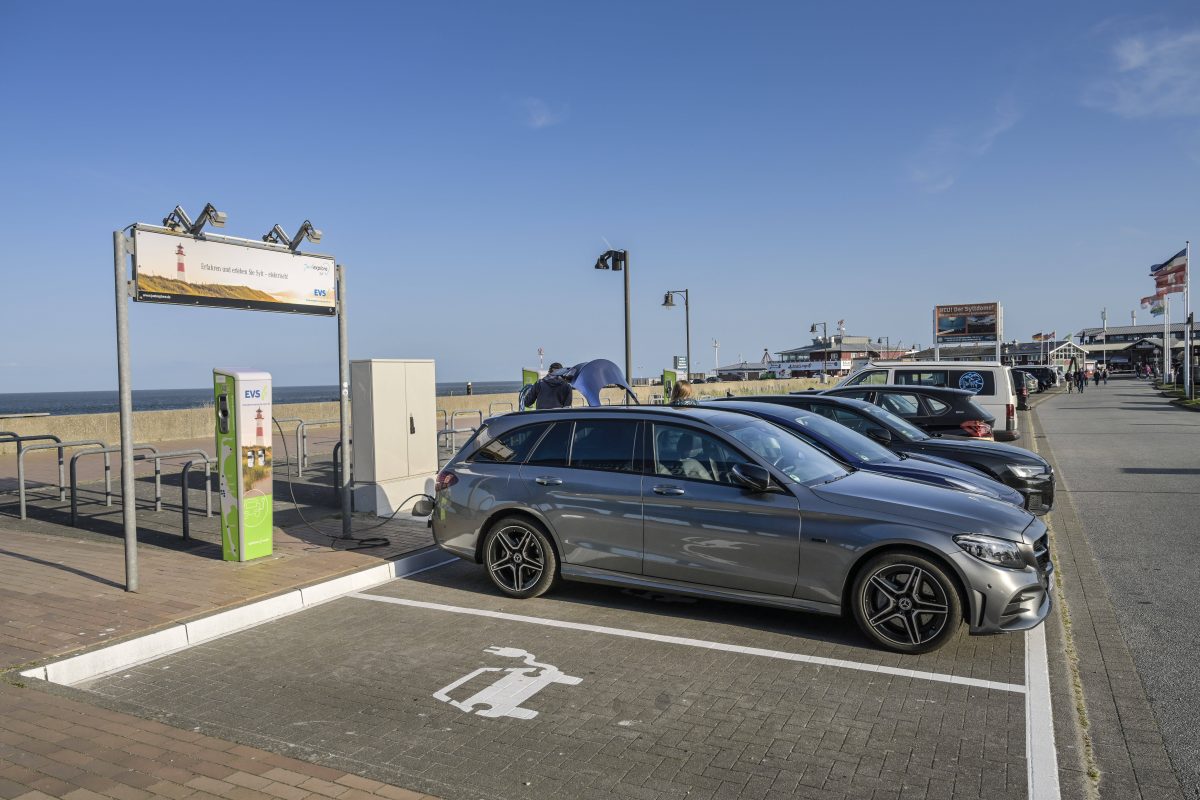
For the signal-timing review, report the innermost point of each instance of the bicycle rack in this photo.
(279, 421)
(57, 444)
(454, 431)
(105, 450)
(187, 526)
(11, 437)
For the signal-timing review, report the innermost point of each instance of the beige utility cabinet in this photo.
(393, 407)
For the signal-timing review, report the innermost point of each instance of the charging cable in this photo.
(356, 543)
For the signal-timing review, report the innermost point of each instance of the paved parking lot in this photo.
(438, 683)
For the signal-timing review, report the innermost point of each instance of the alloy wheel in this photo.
(515, 558)
(905, 604)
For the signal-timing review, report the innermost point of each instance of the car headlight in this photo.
(1000, 552)
(1022, 471)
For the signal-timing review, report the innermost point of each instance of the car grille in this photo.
(1041, 555)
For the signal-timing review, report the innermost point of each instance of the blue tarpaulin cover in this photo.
(589, 377)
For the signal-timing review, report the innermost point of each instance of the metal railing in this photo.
(187, 468)
(302, 441)
(453, 431)
(105, 450)
(279, 421)
(445, 419)
(492, 407)
(11, 437)
(57, 444)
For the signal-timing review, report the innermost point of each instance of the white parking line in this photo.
(701, 643)
(1041, 758)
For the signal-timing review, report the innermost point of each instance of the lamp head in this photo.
(813, 329)
(668, 300)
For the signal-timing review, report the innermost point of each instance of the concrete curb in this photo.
(122, 655)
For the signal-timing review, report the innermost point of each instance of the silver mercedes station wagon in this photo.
(722, 505)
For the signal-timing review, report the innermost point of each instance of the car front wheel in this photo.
(906, 603)
(519, 557)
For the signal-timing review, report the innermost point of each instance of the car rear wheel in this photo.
(519, 557)
(906, 603)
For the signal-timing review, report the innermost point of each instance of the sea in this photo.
(59, 403)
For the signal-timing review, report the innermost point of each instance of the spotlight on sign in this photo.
(178, 220)
(277, 235)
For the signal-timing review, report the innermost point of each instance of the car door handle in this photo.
(671, 490)
(548, 480)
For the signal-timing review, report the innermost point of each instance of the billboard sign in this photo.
(222, 272)
(964, 324)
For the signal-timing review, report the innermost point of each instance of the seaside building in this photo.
(1134, 345)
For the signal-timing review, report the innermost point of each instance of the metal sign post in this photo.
(122, 247)
(229, 272)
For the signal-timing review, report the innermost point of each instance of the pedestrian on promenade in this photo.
(1096, 376)
(1105, 376)
(1070, 383)
(1080, 380)
(682, 394)
(551, 391)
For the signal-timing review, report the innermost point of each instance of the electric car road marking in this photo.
(701, 643)
(504, 697)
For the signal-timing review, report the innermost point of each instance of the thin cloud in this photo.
(538, 114)
(946, 152)
(1151, 75)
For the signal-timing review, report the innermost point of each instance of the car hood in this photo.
(880, 496)
(939, 472)
(967, 446)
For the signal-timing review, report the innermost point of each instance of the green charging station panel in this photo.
(242, 401)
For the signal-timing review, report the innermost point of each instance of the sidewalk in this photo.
(61, 591)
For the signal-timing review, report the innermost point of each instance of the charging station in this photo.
(243, 429)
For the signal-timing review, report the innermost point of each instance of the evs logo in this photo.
(253, 394)
(319, 292)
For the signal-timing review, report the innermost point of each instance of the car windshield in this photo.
(787, 452)
(861, 448)
(906, 430)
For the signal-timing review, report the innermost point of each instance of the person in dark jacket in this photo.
(550, 391)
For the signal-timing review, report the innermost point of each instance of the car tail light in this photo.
(977, 428)
(445, 479)
(1010, 417)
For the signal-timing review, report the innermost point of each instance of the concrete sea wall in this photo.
(197, 423)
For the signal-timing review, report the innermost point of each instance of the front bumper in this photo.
(1003, 599)
(1038, 491)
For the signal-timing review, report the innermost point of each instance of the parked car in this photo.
(862, 452)
(1023, 470)
(1026, 385)
(1047, 377)
(989, 381)
(719, 504)
(933, 409)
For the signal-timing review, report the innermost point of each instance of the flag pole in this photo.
(1187, 320)
(1166, 333)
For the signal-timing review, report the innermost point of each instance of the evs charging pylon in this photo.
(243, 426)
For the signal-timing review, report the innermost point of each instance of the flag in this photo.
(1175, 264)
(1167, 282)
(1152, 300)
(1157, 309)
(1052, 336)
(1037, 337)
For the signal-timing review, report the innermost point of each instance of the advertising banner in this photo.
(964, 324)
(186, 270)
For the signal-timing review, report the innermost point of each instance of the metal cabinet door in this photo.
(593, 505)
(702, 529)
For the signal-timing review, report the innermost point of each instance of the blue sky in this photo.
(786, 162)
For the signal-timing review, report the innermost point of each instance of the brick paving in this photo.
(350, 684)
(61, 591)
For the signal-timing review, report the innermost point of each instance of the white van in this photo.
(989, 380)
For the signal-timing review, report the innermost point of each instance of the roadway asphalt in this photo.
(1129, 460)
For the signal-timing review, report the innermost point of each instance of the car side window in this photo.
(859, 395)
(903, 405)
(511, 447)
(936, 407)
(873, 376)
(916, 377)
(605, 444)
(688, 453)
(552, 450)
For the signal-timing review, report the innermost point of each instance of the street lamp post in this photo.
(669, 302)
(618, 261)
(882, 340)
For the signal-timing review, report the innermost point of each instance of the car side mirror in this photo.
(881, 435)
(423, 507)
(752, 477)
